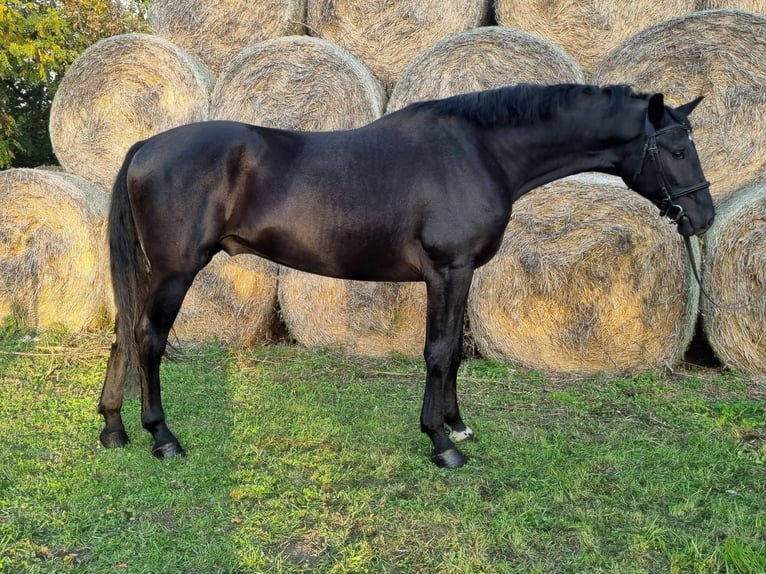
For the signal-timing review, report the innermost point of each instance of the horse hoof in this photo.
(463, 435)
(451, 458)
(114, 439)
(168, 450)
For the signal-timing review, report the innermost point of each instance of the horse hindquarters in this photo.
(147, 304)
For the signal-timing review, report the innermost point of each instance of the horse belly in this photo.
(358, 258)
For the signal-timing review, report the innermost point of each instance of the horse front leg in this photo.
(447, 295)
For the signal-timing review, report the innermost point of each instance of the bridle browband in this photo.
(668, 208)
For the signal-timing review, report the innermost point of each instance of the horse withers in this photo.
(422, 194)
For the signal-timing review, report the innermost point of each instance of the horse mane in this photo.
(522, 104)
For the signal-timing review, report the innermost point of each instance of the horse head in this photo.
(666, 169)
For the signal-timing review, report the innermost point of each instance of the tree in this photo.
(38, 41)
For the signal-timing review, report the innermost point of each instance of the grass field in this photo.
(303, 461)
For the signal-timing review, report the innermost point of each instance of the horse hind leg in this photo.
(110, 404)
(162, 305)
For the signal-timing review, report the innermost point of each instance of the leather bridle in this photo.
(668, 207)
(673, 211)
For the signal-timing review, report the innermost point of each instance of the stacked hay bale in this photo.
(719, 54)
(298, 83)
(588, 29)
(735, 278)
(121, 90)
(387, 36)
(292, 82)
(360, 317)
(481, 59)
(233, 300)
(215, 32)
(550, 310)
(53, 265)
(588, 281)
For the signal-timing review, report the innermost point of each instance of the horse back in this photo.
(363, 204)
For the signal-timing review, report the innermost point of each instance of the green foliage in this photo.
(38, 42)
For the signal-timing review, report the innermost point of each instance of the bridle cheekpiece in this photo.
(668, 208)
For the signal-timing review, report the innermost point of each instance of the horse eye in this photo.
(681, 154)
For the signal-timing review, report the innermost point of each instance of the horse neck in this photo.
(563, 146)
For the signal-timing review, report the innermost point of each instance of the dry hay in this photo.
(363, 318)
(233, 300)
(215, 32)
(387, 36)
(121, 90)
(53, 255)
(587, 29)
(588, 281)
(734, 276)
(752, 5)
(299, 83)
(720, 54)
(481, 59)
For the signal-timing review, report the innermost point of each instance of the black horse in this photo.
(422, 194)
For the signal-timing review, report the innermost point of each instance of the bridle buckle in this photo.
(673, 212)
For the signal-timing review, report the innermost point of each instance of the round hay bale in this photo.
(233, 300)
(588, 281)
(719, 54)
(215, 32)
(587, 29)
(363, 318)
(53, 253)
(388, 35)
(481, 59)
(298, 83)
(121, 90)
(734, 275)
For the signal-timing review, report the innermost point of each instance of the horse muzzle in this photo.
(687, 228)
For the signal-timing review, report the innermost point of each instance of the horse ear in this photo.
(687, 109)
(656, 108)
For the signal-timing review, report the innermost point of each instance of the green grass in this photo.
(303, 461)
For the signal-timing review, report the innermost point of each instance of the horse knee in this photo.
(441, 359)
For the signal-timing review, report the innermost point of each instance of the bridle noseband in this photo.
(668, 208)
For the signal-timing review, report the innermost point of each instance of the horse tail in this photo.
(129, 266)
